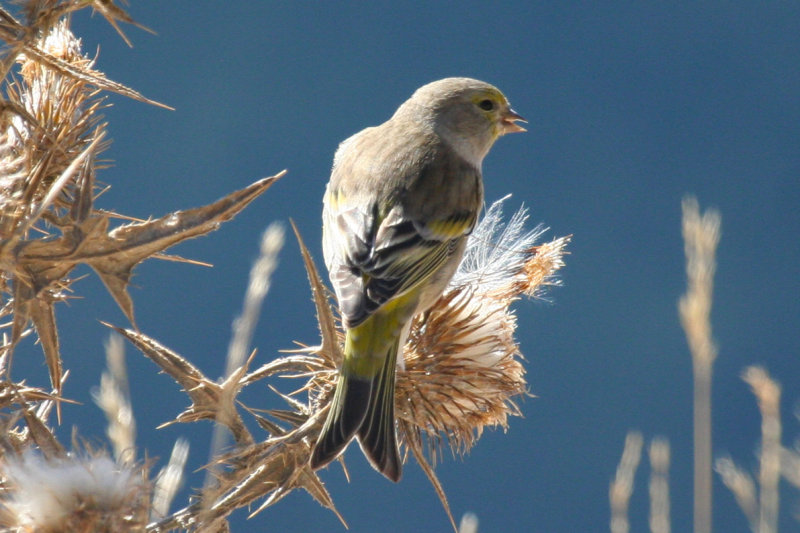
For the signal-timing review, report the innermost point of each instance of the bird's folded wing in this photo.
(371, 261)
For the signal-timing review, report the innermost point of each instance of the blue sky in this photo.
(630, 107)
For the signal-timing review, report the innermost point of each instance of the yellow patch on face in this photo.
(491, 102)
(496, 97)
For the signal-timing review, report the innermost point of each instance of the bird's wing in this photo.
(372, 259)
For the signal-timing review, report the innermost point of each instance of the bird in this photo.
(400, 204)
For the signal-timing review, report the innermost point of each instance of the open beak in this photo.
(509, 122)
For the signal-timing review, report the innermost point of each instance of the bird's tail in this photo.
(365, 407)
(347, 412)
(376, 433)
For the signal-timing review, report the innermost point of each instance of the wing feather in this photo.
(373, 260)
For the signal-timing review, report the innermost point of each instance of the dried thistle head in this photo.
(72, 493)
(50, 135)
(50, 119)
(461, 369)
(463, 365)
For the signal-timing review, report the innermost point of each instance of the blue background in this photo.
(631, 105)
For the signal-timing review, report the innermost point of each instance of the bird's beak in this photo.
(509, 122)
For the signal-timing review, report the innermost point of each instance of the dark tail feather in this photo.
(347, 412)
(377, 433)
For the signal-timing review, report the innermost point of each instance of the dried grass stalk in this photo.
(659, 485)
(169, 480)
(768, 393)
(621, 488)
(701, 236)
(113, 397)
(243, 328)
(741, 484)
(760, 501)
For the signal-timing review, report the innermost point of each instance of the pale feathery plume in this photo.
(72, 493)
(768, 394)
(741, 484)
(169, 480)
(659, 454)
(113, 397)
(701, 235)
(468, 524)
(621, 488)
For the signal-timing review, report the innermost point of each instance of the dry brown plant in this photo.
(700, 236)
(759, 501)
(462, 373)
(757, 496)
(621, 488)
(701, 233)
(462, 369)
(659, 485)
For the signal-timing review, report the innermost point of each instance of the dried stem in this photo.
(741, 484)
(622, 486)
(113, 397)
(768, 394)
(243, 327)
(701, 236)
(659, 485)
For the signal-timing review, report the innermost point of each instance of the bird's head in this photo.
(469, 114)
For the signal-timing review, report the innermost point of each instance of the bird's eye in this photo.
(486, 105)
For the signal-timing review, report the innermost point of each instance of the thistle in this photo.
(461, 370)
(72, 493)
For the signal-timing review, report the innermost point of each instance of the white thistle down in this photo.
(497, 250)
(46, 494)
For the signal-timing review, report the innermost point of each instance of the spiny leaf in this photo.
(311, 483)
(112, 13)
(14, 34)
(327, 325)
(300, 364)
(273, 469)
(44, 318)
(35, 306)
(43, 436)
(114, 254)
(210, 401)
